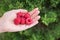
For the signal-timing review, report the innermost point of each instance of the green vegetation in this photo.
(49, 24)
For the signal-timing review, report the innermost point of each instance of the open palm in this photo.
(8, 17)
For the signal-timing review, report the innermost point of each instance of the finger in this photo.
(33, 11)
(35, 14)
(36, 18)
(33, 24)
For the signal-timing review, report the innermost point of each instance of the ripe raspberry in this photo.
(23, 18)
(22, 21)
(27, 15)
(19, 14)
(17, 21)
(28, 21)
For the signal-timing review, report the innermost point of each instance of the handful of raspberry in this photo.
(23, 18)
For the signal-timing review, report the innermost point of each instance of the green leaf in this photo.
(49, 18)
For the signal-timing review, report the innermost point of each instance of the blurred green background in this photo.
(49, 24)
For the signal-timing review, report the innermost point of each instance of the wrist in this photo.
(1, 26)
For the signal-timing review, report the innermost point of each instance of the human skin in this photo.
(7, 25)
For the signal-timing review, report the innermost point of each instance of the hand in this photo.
(7, 20)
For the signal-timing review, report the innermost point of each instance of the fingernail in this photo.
(39, 17)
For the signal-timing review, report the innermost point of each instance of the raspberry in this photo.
(17, 21)
(22, 20)
(28, 21)
(27, 15)
(19, 14)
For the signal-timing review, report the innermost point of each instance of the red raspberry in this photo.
(19, 14)
(27, 15)
(22, 20)
(28, 21)
(17, 21)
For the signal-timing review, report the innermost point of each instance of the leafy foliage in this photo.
(50, 16)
